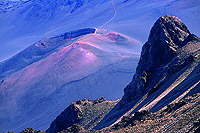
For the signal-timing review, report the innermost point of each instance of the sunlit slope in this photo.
(40, 50)
(95, 65)
(36, 19)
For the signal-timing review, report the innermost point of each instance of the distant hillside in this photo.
(164, 93)
(42, 80)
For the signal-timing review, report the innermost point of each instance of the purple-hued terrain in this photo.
(140, 55)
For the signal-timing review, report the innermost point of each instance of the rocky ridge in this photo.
(170, 56)
(182, 116)
(86, 113)
(166, 37)
(179, 116)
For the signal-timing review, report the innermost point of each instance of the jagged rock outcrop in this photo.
(166, 37)
(81, 114)
(181, 116)
(66, 119)
(30, 130)
(167, 70)
(76, 128)
(168, 50)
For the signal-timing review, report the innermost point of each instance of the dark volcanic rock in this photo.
(174, 106)
(30, 130)
(183, 117)
(130, 120)
(169, 51)
(67, 118)
(99, 100)
(76, 128)
(81, 115)
(197, 126)
(166, 37)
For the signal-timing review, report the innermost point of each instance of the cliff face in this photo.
(166, 37)
(167, 71)
(166, 44)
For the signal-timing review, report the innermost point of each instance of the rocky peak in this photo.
(168, 29)
(81, 114)
(167, 54)
(166, 36)
(72, 114)
(30, 130)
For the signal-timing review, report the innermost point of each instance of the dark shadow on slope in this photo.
(158, 85)
(119, 110)
(160, 88)
(193, 78)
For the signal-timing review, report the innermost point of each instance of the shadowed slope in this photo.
(169, 56)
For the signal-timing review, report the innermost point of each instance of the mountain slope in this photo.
(40, 50)
(167, 70)
(166, 85)
(33, 93)
(184, 117)
(179, 116)
(84, 112)
(37, 19)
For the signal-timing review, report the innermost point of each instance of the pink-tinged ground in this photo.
(28, 92)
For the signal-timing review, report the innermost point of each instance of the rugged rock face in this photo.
(167, 70)
(166, 37)
(30, 130)
(182, 116)
(81, 114)
(166, 47)
(71, 115)
(75, 129)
